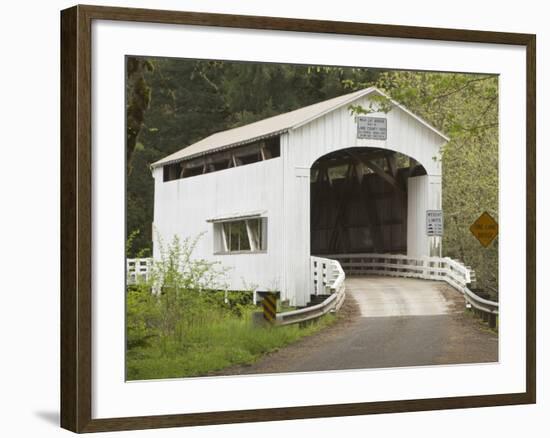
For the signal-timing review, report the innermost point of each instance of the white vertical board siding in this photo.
(418, 243)
(281, 188)
(182, 207)
(435, 203)
(296, 212)
(337, 130)
(424, 193)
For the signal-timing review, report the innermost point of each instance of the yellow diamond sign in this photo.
(485, 229)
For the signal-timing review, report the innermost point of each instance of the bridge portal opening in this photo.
(359, 201)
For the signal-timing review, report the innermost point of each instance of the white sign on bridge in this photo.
(434, 222)
(372, 128)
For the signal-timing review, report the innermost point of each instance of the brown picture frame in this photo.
(76, 218)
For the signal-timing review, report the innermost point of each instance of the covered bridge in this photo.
(317, 180)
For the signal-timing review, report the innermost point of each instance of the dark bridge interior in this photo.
(359, 201)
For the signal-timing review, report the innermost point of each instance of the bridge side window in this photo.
(262, 150)
(240, 236)
(171, 172)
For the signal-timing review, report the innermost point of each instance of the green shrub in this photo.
(183, 322)
(237, 302)
(142, 316)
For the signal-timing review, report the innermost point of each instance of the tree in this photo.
(138, 98)
(465, 107)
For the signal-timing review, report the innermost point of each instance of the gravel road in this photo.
(388, 322)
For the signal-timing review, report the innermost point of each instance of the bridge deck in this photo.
(394, 296)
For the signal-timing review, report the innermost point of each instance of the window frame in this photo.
(222, 236)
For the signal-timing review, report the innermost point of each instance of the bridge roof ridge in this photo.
(276, 125)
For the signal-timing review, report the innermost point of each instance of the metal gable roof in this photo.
(274, 126)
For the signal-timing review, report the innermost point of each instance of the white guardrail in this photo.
(429, 268)
(327, 279)
(138, 270)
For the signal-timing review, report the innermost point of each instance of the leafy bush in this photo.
(177, 294)
(237, 302)
(142, 316)
(183, 321)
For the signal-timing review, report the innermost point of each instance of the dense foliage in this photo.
(190, 326)
(465, 107)
(190, 99)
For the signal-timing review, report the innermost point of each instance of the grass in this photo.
(194, 327)
(482, 324)
(213, 346)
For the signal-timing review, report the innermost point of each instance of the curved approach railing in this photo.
(328, 275)
(429, 268)
(327, 278)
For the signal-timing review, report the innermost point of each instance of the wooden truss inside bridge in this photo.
(359, 201)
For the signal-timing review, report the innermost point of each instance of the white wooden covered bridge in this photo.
(281, 200)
